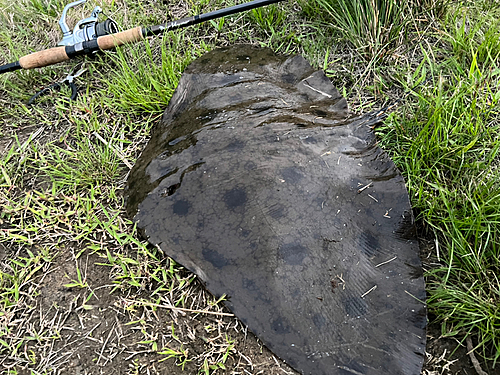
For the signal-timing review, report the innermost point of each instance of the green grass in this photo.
(62, 173)
(145, 76)
(374, 27)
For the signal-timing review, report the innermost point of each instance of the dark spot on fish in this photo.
(235, 198)
(325, 246)
(235, 145)
(276, 211)
(291, 361)
(288, 78)
(292, 253)
(250, 166)
(369, 244)
(354, 306)
(319, 320)
(385, 348)
(291, 175)
(279, 326)
(216, 259)
(310, 140)
(245, 232)
(391, 334)
(249, 284)
(181, 207)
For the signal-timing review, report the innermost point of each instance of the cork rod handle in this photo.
(118, 39)
(44, 58)
(58, 54)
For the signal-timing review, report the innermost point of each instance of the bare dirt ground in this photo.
(89, 330)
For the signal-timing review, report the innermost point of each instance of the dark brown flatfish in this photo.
(259, 181)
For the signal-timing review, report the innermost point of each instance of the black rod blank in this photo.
(60, 54)
(188, 21)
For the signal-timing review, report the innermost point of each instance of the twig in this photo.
(412, 296)
(31, 138)
(318, 91)
(387, 261)
(437, 246)
(246, 359)
(365, 187)
(473, 359)
(104, 346)
(116, 151)
(135, 353)
(366, 293)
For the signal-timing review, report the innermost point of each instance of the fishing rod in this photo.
(90, 35)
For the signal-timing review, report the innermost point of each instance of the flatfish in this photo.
(260, 181)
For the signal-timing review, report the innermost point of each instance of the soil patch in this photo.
(91, 329)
